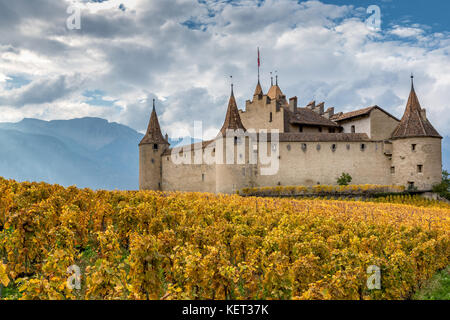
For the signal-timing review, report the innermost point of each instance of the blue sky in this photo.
(430, 13)
(182, 52)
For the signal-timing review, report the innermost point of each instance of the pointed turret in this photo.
(258, 90)
(232, 118)
(275, 92)
(414, 122)
(153, 134)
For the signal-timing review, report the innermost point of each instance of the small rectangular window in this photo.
(320, 129)
(155, 146)
(413, 147)
(353, 129)
(300, 129)
(419, 168)
(363, 147)
(270, 117)
(392, 170)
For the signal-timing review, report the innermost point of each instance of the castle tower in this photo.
(416, 158)
(233, 171)
(151, 148)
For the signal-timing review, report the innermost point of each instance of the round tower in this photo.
(417, 155)
(151, 149)
(233, 172)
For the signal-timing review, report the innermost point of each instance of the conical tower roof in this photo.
(274, 92)
(258, 90)
(232, 118)
(153, 134)
(414, 123)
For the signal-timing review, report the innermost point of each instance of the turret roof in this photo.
(274, 92)
(258, 90)
(232, 118)
(153, 134)
(414, 122)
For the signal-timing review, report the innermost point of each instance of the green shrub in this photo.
(344, 179)
(443, 188)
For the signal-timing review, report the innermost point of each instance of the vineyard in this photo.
(153, 245)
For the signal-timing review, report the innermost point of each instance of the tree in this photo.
(344, 179)
(443, 188)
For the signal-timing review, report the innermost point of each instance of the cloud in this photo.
(182, 53)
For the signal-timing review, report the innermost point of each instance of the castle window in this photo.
(353, 129)
(304, 146)
(363, 147)
(235, 140)
(410, 185)
(331, 130)
(392, 170)
(333, 147)
(419, 168)
(270, 117)
(155, 146)
(320, 129)
(288, 147)
(300, 129)
(318, 147)
(413, 147)
(203, 177)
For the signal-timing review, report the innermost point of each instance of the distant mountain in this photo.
(86, 152)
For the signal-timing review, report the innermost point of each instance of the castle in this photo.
(313, 146)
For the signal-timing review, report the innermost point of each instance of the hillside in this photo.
(87, 152)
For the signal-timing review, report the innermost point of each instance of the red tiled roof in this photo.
(414, 123)
(308, 117)
(358, 113)
(153, 134)
(232, 118)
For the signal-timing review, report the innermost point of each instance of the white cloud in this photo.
(323, 52)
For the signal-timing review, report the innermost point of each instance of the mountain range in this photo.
(86, 152)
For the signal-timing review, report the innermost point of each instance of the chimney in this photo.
(320, 108)
(329, 113)
(293, 104)
(311, 105)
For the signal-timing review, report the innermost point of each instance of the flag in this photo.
(259, 62)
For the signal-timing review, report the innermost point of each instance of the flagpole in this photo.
(258, 64)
